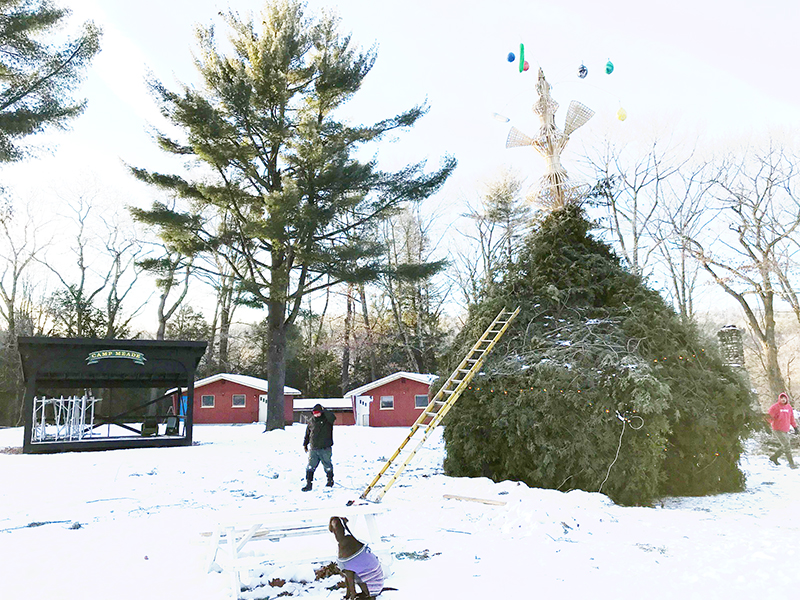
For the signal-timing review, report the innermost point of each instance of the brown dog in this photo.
(357, 562)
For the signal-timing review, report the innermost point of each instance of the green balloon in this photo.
(609, 67)
(521, 57)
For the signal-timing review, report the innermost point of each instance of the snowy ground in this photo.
(125, 524)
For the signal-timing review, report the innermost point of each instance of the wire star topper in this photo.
(554, 189)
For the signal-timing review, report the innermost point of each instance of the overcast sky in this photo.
(717, 70)
(708, 72)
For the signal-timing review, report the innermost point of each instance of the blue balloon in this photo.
(511, 57)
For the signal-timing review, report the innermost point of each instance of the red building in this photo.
(394, 401)
(229, 398)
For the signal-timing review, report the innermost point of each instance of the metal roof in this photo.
(420, 377)
(87, 362)
(246, 380)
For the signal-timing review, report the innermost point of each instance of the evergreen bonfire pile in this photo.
(597, 385)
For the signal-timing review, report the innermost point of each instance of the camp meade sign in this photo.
(99, 355)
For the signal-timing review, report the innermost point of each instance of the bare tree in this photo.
(787, 271)
(172, 271)
(19, 249)
(31, 317)
(501, 217)
(228, 298)
(124, 249)
(316, 338)
(759, 205)
(73, 310)
(683, 214)
(632, 187)
(415, 297)
(362, 294)
(105, 267)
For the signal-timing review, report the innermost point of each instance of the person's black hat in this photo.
(317, 408)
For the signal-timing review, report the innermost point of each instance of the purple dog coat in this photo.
(367, 568)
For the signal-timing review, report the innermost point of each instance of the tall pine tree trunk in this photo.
(224, 336)
(401, 329)
(770, 347)
(213, 328)
(276, 364)
(348, 330)
(365, 314)
(167, 286)
(276, 333)
(421, 311)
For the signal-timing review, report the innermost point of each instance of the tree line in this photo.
(277, 212)
(680, 219)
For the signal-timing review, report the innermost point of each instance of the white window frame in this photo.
(203, 398)
(388, 398)
(416, 403)
(233, 401)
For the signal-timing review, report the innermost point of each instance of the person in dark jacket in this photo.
(318, 442)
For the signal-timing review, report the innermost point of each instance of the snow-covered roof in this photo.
(422, 378)
(252, 382)
(331, 403)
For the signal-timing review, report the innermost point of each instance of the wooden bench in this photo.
(231, 545)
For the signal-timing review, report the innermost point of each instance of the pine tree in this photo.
(598, 385)
(36, 77)
(281, 174)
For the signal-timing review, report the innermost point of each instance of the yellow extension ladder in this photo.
(441, 403)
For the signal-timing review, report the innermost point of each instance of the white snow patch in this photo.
(139, 514)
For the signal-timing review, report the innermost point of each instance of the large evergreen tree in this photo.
(37, 76)
(598, 385)
(297, 207)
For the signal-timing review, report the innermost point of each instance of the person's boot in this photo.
(309, 479)
(774, 458)
(791, 462)
(330, 479)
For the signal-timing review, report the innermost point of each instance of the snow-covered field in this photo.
(126, 524)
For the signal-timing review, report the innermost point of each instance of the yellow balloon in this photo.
(621, 114)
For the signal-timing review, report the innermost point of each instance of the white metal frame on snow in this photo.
(73, 418)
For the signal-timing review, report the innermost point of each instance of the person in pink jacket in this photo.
(781, 417)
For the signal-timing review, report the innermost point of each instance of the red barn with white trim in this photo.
(230, 398)
(393, 401)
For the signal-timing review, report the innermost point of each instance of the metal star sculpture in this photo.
(554, 190)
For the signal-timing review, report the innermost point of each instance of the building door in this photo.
(362, 410)
(262, 408)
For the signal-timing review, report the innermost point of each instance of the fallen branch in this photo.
(469, 499)
(34, 524)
